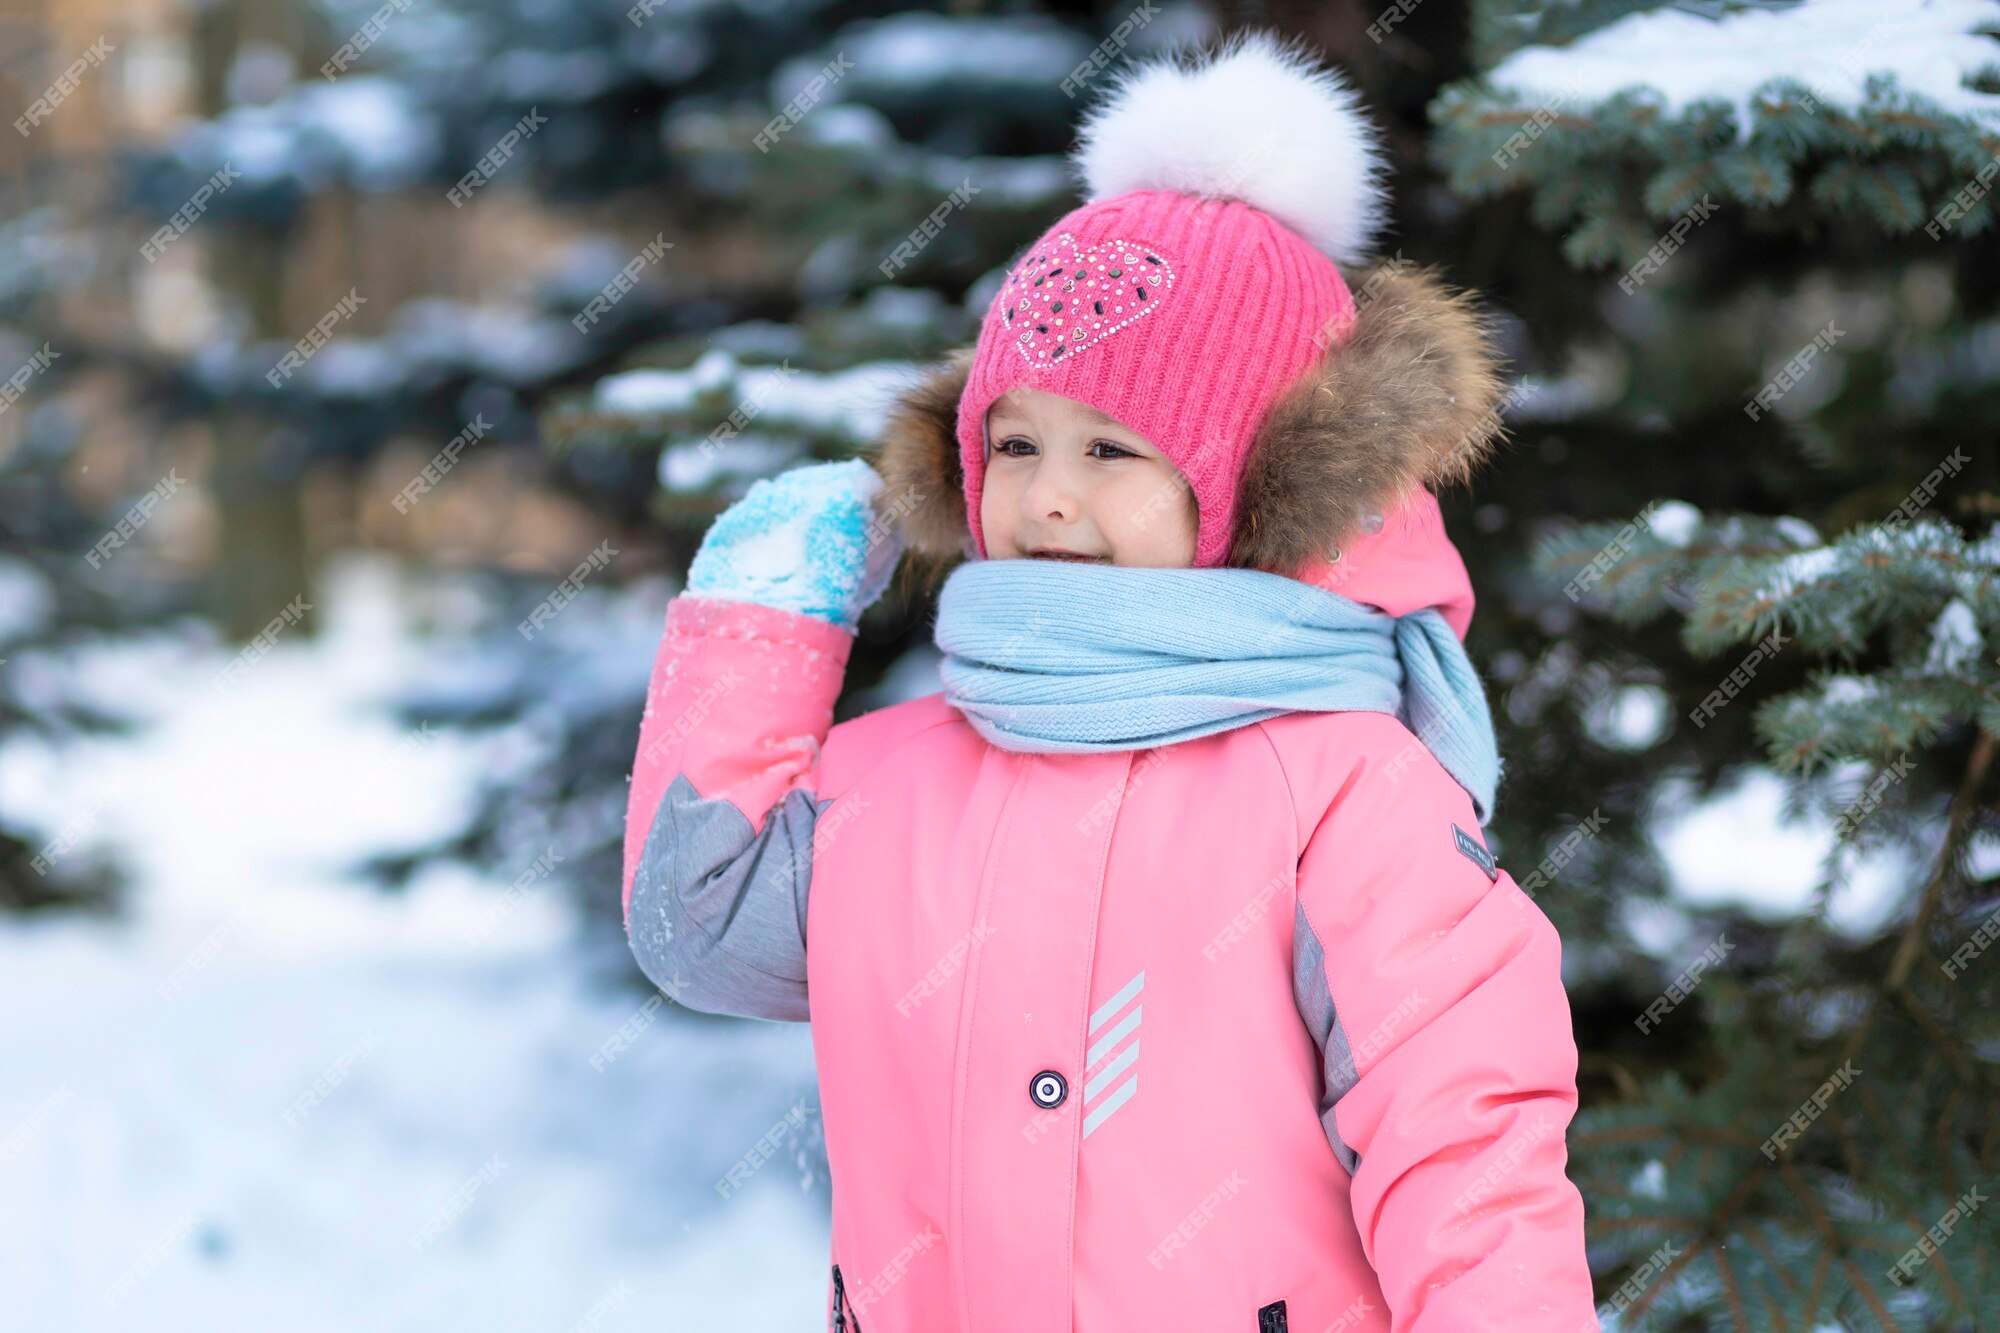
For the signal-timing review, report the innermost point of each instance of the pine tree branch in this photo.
(1649, 1222)
(1830, 1234)
(1947, 1046)
(1888, 1134)
(1946, 1115)
(1822, 1271)
(1730, 1290)
(1850, 1150)
(1938, 1262)
(1991, 1150)
(1716, 1226)
(1777, 1269)
(1963, 802)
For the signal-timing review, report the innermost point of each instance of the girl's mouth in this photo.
(1067, 555)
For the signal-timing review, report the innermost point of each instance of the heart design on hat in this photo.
(1066, 298)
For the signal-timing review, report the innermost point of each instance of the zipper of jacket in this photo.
(841, 1321)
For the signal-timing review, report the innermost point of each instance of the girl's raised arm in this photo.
(719, 822)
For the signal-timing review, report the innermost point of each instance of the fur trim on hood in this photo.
(1410, 398)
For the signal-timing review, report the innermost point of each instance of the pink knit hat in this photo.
(1199, 280)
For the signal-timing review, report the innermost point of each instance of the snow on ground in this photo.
(268, 1096)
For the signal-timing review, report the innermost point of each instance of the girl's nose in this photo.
(1051, 493)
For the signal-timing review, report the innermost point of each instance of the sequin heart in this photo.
(1064, 299)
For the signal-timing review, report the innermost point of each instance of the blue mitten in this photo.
(806, 540)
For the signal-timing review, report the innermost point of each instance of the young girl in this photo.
(1159, 973)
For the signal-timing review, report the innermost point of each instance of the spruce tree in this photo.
(1735, 324)
(1771, 319)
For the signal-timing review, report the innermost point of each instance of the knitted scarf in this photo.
(1048, 656)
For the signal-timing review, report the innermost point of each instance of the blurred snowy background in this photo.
(340, 340)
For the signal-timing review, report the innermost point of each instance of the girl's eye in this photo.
(1006, 446)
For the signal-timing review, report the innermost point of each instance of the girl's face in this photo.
(1063, 477)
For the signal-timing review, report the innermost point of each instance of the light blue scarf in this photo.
(1047, 656)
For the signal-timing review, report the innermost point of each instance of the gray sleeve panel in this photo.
(1315, 1003)
(718, 915)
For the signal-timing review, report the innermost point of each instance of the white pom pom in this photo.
(1257, 121)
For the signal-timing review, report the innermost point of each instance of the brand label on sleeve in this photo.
(1475, 849)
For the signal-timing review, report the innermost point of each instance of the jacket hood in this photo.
(1337, 489)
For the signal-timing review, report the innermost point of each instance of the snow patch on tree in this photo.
(1928, 47)
(1954, 639)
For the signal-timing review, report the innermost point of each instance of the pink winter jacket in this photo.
(1247, 1033)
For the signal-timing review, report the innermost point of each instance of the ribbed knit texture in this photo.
(1048, 657)
(1249, 307)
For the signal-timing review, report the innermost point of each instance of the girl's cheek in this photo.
(1125, 516)
(996, 510)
